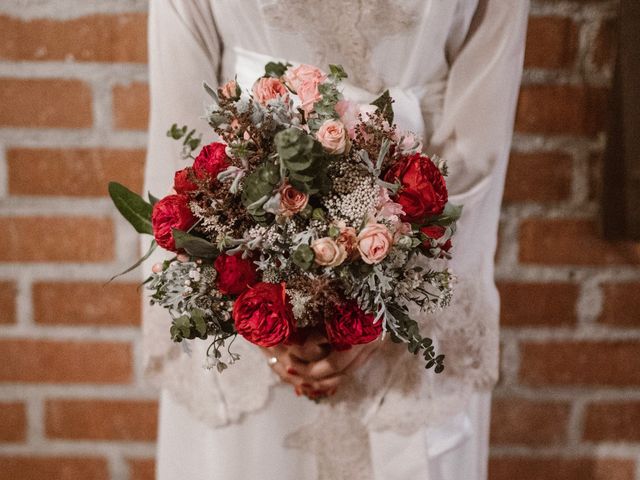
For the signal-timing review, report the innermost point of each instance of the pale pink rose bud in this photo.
(268, 88)
(230, 90)
(348, 112)
(157, 268)
(292, 201)
(374, 243)
(333, 137)
(183, 257)
(408, 142)
(296, 76)
(327, 252)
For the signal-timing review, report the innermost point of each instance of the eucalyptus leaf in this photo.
(195, 246)
(152, 247)
(450, 215)
(133, 207)
(152, 200)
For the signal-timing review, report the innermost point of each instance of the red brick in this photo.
(538, 177)
(572, 242)
(101, 419)
(131, 106)
(94, 303)
(604, 48)
(552, 42)
(53, 361)
(48, 102)
(621, 304)
(58, 468)
(537, 304)
(522, 468)
(561, 110)
(72, 172)
(56, 239)
(518, 421)
(596, 165)
(580, 363)
(13, 422)
(612, 422)
(141, 469)
(93, 38)
(7, 302)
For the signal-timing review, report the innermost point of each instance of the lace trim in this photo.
(467, 331)
(347, 32)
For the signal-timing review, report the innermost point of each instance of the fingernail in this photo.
(292, 371)
(298, 392)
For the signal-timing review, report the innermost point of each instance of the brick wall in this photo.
(73, 111)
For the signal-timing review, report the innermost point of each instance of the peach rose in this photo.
(327, 252)
(292, 201)
(333, 137)
(230, 90)
(348, 239)
(268, 88)
(296, 76)
(374, 242)
(309, 94)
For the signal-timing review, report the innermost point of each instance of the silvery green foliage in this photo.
(187, 291)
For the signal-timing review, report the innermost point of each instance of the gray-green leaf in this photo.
(195, 246)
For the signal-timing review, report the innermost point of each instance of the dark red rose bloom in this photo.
(262, 315)
(235, 274)
(423, 192)
(435, 232)
(211, 160)
(182, 181)
(170, 212)
(351, 326)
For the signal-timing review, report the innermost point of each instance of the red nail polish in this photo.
(292, 371)
(306, 385)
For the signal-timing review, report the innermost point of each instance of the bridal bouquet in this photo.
(311, 212)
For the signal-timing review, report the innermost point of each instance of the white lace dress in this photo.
(454, 68)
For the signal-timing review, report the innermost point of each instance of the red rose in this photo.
(211, 160)
(423, 192)
(235, 274)
(182, 181)
(263, 316)
(170, 212)
(435, 232)
(351, 326)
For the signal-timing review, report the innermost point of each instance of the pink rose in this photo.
(327, 252)
(309, 95)
(374, 242)
(268, 88)
(292, 201)
(333, 137)
(296, 76)
(230, 90)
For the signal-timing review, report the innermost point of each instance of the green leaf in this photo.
(133, 207)
(195, 246)
(450, 215)
(303, 257)
(197, 318)
(175, 132)
(384, 103)
(337, 72)
(152, 200)
(152, 247)
(275, 69)
(210, 91)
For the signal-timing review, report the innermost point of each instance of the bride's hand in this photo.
(326, 374)
(292, 360)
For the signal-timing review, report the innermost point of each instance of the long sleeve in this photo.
(184, 51)
(474, 134)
